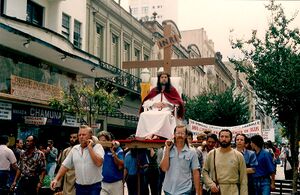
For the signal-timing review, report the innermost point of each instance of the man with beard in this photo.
(159, 103)
(180, 162)
(31, 169)
(228, 166)
(68, 182)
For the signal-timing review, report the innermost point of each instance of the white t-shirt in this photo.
(7, 157)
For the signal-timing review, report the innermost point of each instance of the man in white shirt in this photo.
(7, 158)
(87, 159)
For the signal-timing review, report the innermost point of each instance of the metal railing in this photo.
(124, 79)
(285, 187)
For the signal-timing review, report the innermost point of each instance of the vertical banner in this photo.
(249, 129)
(268, 134)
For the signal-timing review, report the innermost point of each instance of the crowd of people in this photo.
(219, 164)
(85, 167)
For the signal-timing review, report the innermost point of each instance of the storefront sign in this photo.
(31, 89)
(5, 111)
(35, 120)
(70, 121)
(20, 112)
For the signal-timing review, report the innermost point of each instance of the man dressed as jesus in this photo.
(156, 119)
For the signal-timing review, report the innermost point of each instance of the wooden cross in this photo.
(167, 62)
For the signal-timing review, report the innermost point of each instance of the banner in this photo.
(268, 134)
(249, 129)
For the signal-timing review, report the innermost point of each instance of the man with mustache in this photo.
(228, 166)
(180, 162)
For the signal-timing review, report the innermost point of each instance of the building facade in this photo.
(43, 52)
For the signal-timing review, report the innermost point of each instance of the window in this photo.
(115, 50)
(34, 13)
(146, 57)
(126, 51)
(65, 25)
(100, 41)
(77, 34)
(137, 54)
(1, 7)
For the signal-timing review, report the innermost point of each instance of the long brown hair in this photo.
(168, 84)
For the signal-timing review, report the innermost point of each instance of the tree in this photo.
(272, 66)
(87, 102)
(223, 109)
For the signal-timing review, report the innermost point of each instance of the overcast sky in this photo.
(218, 17)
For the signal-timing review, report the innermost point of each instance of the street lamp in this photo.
(145, 84)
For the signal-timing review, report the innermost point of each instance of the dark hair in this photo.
(212, 136)
(257, 140)
(35, 139)
(3, 139)
(189, 133)
(246, 139)
(168, 84)
(226, 130)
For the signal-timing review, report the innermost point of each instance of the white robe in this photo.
(154, 121)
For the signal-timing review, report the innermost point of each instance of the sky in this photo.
(219, 17)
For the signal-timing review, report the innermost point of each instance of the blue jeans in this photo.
(262, 186)
(4, 176)
(93, 189)
(51, 169)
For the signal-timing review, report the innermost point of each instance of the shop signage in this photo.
(20, 112)
(31, 89)
(35, 120)
(70, 121)
(5, 111)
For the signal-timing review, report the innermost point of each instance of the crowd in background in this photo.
(25, 166)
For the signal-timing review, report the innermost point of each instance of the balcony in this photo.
(124, 79)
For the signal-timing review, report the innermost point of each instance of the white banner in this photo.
(249, 129)
(268, 134)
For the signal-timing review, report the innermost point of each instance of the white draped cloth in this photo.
(154, 121)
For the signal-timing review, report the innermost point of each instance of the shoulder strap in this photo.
(215, 169)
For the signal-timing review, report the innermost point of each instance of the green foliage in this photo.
(223, 109)
(85, 101)
(272, 65)
(273, 69)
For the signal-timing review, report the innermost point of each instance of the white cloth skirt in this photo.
(160, 123)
